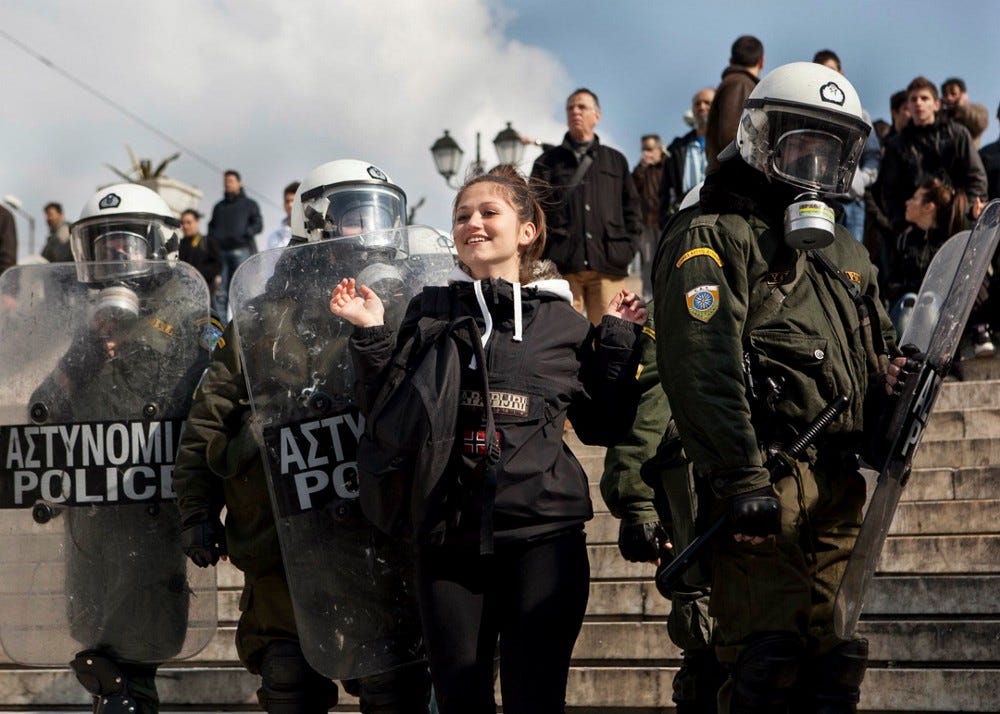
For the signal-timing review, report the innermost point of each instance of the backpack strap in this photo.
(488, 467)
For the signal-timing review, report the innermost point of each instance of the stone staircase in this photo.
(933, 616)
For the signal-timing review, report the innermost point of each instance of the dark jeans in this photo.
(532, 595)
(231, 260)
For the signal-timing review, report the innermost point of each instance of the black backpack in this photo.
(407, 447)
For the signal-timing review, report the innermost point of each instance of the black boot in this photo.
(765, 673)
(831, 684)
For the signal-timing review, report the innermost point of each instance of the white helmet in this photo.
(119, 229)
(345, 198)
(802, 124)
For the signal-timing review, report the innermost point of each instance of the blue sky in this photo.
(646, 59)
(275, 88)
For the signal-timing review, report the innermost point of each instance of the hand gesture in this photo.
(358, 304)
(628, 306)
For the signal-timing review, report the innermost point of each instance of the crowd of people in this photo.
(760, 330)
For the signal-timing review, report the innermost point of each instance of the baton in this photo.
(666, 578)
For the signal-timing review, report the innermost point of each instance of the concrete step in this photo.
(968, 395)
(981, 423)
(939, 484)
(912, 518)
(901, 555)
(958, 453)
(890, 596)
(926, 484)
(903, 596)
(922, 641)
(612, 689)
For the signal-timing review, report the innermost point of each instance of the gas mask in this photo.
(809, 223)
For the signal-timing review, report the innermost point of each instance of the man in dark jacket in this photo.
(746, 61)
(198, 252)
(686, 160)
(931, 145)
(594, 218)
(235, 221)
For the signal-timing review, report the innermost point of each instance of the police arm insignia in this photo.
(695, 252)
(702, 302)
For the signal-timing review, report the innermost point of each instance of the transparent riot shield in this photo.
(95, 383)
(350, 584)
(947, 295)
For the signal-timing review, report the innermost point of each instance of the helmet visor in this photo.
(351, 211)
(814, 153)
(115, 247)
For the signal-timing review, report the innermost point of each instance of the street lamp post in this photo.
(14, 203)
(448, 154)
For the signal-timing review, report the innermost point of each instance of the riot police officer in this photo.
(220, 461)
(773, 311)
(130, 369)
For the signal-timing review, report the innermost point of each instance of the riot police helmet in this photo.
(349, 200)
(803, 125)
(120, 229)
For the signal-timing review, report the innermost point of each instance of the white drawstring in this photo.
(518, 320)
(487, 318)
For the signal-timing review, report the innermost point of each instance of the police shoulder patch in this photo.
(702, 302)
(695, 252)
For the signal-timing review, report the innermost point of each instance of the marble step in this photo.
(611, 689)
(912, 518)
(901, 555)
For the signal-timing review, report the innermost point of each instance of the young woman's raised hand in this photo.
(628, 306)
(358, 304)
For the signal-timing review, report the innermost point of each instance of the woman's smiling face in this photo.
(488, 235)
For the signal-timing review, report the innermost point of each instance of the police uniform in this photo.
(219, 463)
(647, 479)
(761, 338)
(133, 609)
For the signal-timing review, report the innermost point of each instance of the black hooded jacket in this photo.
(553, 366)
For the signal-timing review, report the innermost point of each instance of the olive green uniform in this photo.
(219, 463)
(648, 478)
(743, 309)
(137, 615)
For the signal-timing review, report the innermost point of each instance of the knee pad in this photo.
(404, 690)
(765, 673)
(696, 684)
(290, 685)
(835, 678)
(103, 678)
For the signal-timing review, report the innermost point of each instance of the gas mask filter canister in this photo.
(809, 223)
(117, 302)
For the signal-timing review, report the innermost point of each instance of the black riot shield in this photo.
(350, 584)
(946, 298)
(95, 384)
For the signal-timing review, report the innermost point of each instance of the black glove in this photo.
(641, 543)
(915, 360)
(203, 542)
(86, 355)
(756, 513)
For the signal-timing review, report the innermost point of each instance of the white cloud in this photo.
(270, 88)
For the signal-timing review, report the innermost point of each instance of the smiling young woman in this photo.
(545, 362)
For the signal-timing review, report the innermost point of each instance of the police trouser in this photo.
(689, 625)
(267, 643)
(773, 602)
